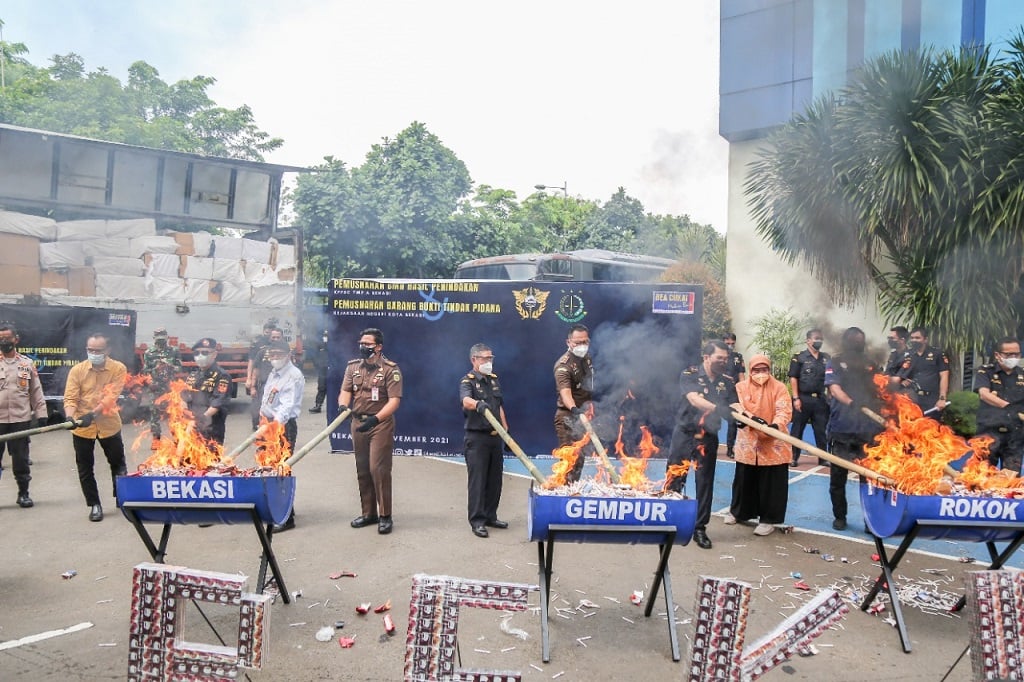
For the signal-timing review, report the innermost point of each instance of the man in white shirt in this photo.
(282, 400)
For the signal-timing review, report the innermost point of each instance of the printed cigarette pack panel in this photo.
(19, 279)
(82, 281)
(110, 265)
(79, 230)
(58, 255)
(133, 227)
(162, 264)
(29, 225)
(106, 247)
(197, 267)
(227, 247)
(120, 286)
(54, 279)
(720, 618)
(280, 294)
(137, 246)
(19, 249)
(995, 605)
(257, 251)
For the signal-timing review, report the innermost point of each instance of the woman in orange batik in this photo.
(760, 489)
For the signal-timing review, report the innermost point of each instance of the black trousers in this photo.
(321, 387)
(760, 492)
(1007, 448)
(815, 412)
(702, 448)
(730, 437)
(484, 469)
(849, 448)
(113, 449)
(19, 455)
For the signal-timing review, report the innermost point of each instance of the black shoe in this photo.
(96, 513)
(702, 539)
(730, 454)
(364, 521)
(795, 463)
(30, 462)
(480, 532)
(497, 523)
(839, 524)
(24, 500)
(385, 525)
(316, 409)
(287, 525)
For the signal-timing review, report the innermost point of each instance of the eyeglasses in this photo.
(1009, 355)
(484, 357)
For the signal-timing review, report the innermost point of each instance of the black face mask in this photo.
(894, 344)
(367, 353)
(916, 345)
(816, 345)
(6, 346)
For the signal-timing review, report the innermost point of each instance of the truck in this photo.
(182, 241)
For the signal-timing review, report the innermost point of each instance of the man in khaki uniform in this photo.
(90, 397)
(373, 387)
(574, 381)
(21, 400)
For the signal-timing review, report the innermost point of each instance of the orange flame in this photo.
(567, 456)
(272, 448)
(182, 447)
(677, 471)
(107, 404)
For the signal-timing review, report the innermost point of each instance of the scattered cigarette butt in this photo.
(507, 649)
(386, 606)
(627, 620)
(557, 675)
(102, 577)
(482, 651)
(536, 667)
(104, 601)
(107, 644)
(295, 625)
(342, 574)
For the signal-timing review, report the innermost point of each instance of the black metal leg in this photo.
(143, 533)
(165, 536)
(544, 576)
(662, 575)
(886, 580)
(269, 557)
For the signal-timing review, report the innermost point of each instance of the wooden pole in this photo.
(792, 440)
(68, 425)
(313, 442)
(601, 452)
(514, 446)
(240, 448)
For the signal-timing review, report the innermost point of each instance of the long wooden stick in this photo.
(63, 426)
(315, 440)
(240, 448)
(601, 452)
(514, 446)
(792, 440)
(879, 419)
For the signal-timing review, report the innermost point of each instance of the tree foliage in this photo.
(717, 316)
(777, 334)
(65, 97)
(910, 182)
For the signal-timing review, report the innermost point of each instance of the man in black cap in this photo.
(209, 391)
(161, 363)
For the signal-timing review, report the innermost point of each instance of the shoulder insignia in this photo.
(390, 363)
(352, 362)
(691, 370)
(396, 376)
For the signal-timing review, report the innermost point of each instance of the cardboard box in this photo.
(82, 282)
(19, 249)
(54, 279)
(186, 245)
(19, 279)
(215, 289)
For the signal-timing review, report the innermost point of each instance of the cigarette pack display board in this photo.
(157, 649)
(996, 600)
(642, 337)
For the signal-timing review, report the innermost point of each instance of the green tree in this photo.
(777, 334)
(910, 182)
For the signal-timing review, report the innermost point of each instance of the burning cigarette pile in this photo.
(183, 451)
(632, 472)
(915, 452)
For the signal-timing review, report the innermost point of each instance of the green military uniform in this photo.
(161, 363)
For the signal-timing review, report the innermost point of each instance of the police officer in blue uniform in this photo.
(925, 373)
(1000, 388)
(480, 391)
(807, 382)
(708, 396)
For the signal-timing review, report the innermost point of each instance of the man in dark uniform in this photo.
(161, 364)
(807, 383)
(258, 370)
(209, 391)
(479, 391)
(709, 395)
(574, 381)
(1000, 388)
(897, 341)
(738, 371)
(849, 377)
(320, 361)
(373, 386)
(925, 373)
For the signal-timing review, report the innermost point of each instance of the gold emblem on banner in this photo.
(530, 302)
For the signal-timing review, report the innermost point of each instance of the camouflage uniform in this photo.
(161, 363)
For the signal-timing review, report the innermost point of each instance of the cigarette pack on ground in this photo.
(793, 634)
(995, 612)
(720, 619)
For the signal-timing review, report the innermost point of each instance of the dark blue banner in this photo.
(642, 337)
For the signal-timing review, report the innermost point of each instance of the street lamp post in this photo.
(564, 187)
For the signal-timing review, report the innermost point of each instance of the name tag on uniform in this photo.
(375, 393)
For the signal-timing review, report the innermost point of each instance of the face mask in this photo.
(916, 345)
(894, 344)
(816, 345)
(486, 367)
(204, 361)
(160, 342)
(6, 346)
(730, 346)
(279, 363)
(581, 351)
(760, 378)
(97, 358)
(367, 353)
(1010, 363)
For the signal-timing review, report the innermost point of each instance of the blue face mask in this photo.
(97, 358)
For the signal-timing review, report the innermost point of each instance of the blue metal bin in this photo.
(207, 499)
